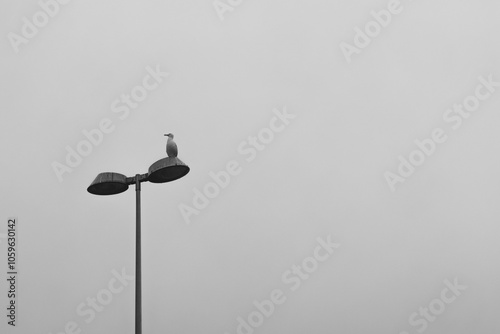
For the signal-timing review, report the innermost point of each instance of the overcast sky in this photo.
(344, 165)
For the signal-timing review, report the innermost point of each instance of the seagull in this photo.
(171, 146)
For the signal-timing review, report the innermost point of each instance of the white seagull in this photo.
(171, 146)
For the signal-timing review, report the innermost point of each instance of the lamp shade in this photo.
(108, 184)
(166, 170)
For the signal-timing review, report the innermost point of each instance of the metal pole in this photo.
(138, 290)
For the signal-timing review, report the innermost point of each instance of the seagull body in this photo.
(171, 146)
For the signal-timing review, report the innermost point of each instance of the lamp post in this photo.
(109, 183)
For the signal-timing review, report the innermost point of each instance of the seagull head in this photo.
(170, 135)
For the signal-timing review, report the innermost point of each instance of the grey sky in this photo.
(320, 172)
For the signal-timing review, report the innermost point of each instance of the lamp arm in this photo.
(142, 178)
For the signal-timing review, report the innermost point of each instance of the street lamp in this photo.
(109, 183)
